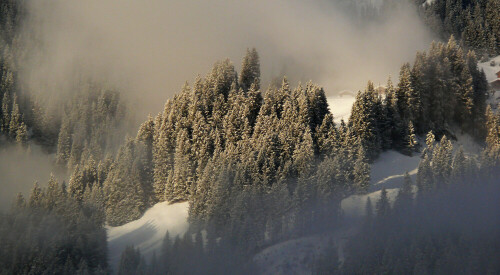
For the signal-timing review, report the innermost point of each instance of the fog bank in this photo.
(148, 49)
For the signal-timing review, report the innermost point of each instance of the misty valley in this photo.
(324, 137)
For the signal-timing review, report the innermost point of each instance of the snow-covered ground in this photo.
(489, 70)
(340, 105)
(386, 172)
(147, 233)
(298, 255)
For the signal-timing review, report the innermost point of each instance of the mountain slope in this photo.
(147, 233)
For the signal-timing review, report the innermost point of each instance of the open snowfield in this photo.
(147, 233)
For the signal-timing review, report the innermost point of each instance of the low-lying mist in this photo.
(19, 169)
(148, 49)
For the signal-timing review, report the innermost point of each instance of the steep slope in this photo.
(148, 232)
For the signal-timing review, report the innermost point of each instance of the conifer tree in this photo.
(22, 135)
(405, 195)
(465, 100)
(126, 198)
(163, 156)
(407, 101)
(383, 206)
(250, 71)
(182, 176)
(53, 195)
(77, 183)
(442, 161)
(15, 119)
(36, 197)
(493, 128)
(303, 156)
(425, 178)
(363, 123)
(361, 172)
(459, 171)
(19, 203)
(327, 136)
(392, 131)
(412, 139)
(429, 141)
(129, 261)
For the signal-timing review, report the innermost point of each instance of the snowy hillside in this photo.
(292, 256)
(148, 232)
(296, 256)
(387, 172)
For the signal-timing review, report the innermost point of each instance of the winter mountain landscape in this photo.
(263, 137)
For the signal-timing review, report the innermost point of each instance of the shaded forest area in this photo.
(449, 225)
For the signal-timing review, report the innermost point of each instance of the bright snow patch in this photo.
(489, 70)
(428, 2)
(341, 106)
(147, 233)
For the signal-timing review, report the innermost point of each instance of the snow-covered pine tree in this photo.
(412, 141)
(250, 70)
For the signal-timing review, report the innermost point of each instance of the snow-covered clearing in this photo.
(340, 105)
(147, 233)
(489, 70)
(491, 75)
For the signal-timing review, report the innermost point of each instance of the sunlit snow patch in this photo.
(147, 233)
(340, 105)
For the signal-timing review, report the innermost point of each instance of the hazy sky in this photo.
(149, 48)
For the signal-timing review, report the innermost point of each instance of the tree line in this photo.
(52, 233)
(476, 23)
